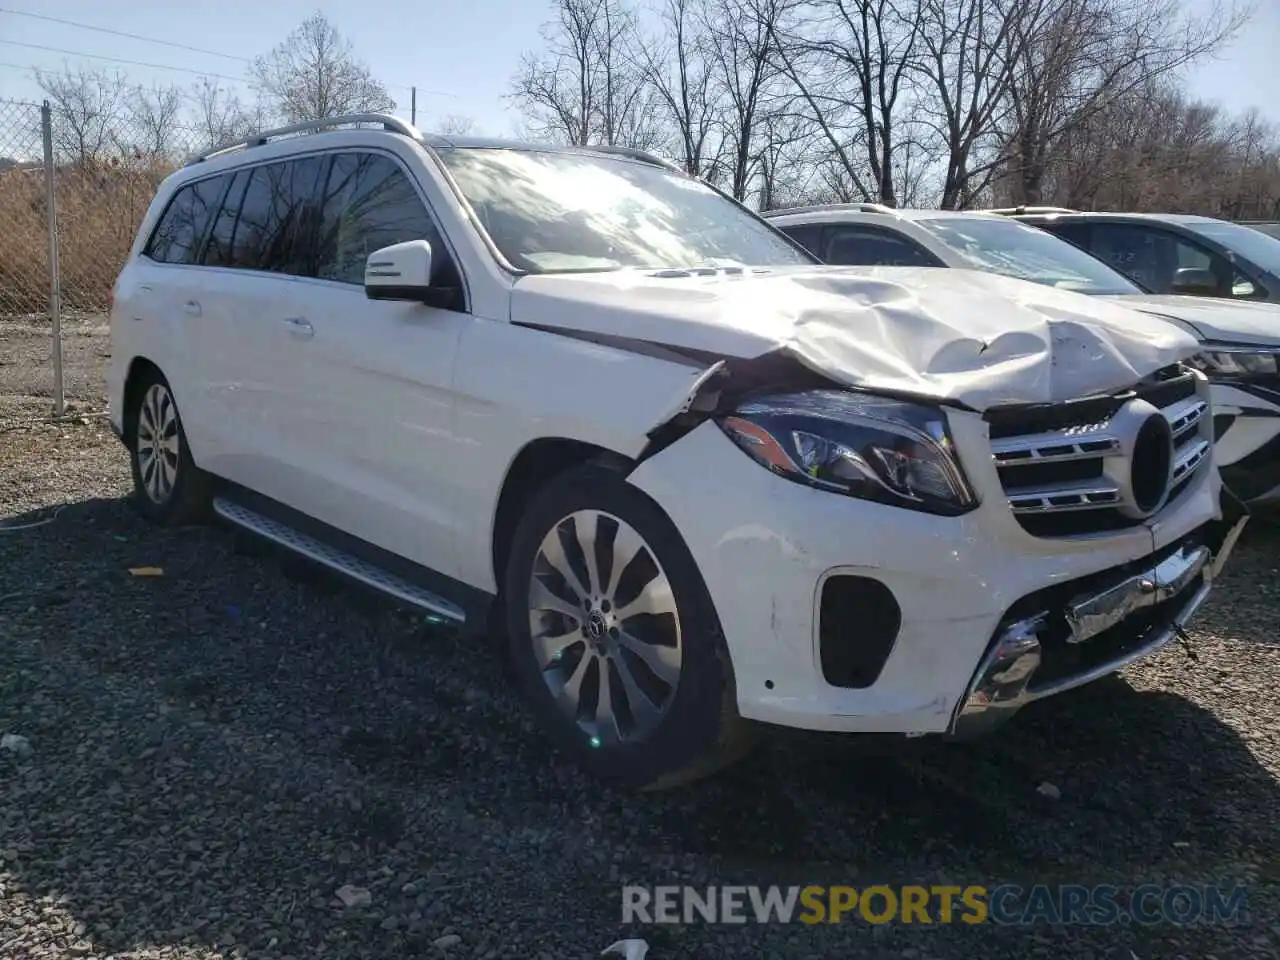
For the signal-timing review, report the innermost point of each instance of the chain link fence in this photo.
(24, 229)
(74, 187)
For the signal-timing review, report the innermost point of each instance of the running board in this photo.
(336, 559)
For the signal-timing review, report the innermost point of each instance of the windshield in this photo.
(1027, 253)
(1251, 244)
(551, 212)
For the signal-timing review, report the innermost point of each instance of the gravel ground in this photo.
(216, 751)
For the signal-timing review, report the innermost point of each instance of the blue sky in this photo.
(460, 55)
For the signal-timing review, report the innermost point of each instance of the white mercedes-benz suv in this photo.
(700, 478)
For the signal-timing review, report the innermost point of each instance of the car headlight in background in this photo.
(1231, 362)
(874, 448)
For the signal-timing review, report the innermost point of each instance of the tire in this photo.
(671, 691)
(169, 489)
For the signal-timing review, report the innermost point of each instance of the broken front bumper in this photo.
(1072, 634)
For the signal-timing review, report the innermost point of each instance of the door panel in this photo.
(370, 406)
(164, 301)
(365, 386)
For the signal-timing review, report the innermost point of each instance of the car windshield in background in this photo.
(1252, 244)
(1027, 253)
(550, 212)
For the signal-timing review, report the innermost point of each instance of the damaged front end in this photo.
(1072, 633)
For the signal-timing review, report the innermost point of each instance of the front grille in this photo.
(1070, 469)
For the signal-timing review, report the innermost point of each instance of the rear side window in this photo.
(217, 249)
(182, 227)
(370, 203)
(256, 241)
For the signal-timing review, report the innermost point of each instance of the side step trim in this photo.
(336, 559)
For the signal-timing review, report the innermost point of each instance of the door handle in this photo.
(191, 308)
(299, 327)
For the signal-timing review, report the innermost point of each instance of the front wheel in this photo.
(614, 637)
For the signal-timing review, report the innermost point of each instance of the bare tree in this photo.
(588, 86)
(219, 114)
(1156, 150)
(745, 35)
(851, 62)
(456, 125)
(154, 115)
(1083, 56)
(87, 106)
(314, 73)
(679, 66)
(966, 73)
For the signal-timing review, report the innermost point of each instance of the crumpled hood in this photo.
(974, 338)
(1230, 321)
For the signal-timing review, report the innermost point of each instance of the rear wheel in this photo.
(169, 488)
(614, 637)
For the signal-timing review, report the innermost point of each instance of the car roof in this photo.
(836, 212)
(1100, 214)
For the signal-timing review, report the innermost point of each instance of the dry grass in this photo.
(99, 209)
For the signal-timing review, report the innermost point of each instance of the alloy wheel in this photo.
(605, 628)
(157, 443)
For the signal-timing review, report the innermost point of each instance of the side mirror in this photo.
(1195, 282)
(401, 271)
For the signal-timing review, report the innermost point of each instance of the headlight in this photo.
(864, 446)
(1230, 362)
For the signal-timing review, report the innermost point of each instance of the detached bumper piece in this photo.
(1073, 633)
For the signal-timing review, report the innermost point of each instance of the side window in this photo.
(289, 248)
(1164, 262)
(217, 249)
(370, 203)
(182, 227)
(255, 226)
(805, 234)
(871, 246)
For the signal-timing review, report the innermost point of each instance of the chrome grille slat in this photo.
(1188, 459)
(1084, 496)
(1082, 444)
(1184, 415)
(1078, 470)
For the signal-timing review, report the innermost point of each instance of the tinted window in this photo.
(296, 214)
(1075, 233)
(869, 246)
(277, 214)
(555, 211)
(1163, 262)
(807, 235)
(181, 229)
(255, 226)
(1254, 245)
(217, 249)
(370, 203)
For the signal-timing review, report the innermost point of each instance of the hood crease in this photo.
(975, 339)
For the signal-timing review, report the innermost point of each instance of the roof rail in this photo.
(1019, 211)
(865, 207)
(631, 153)
(385, 120)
